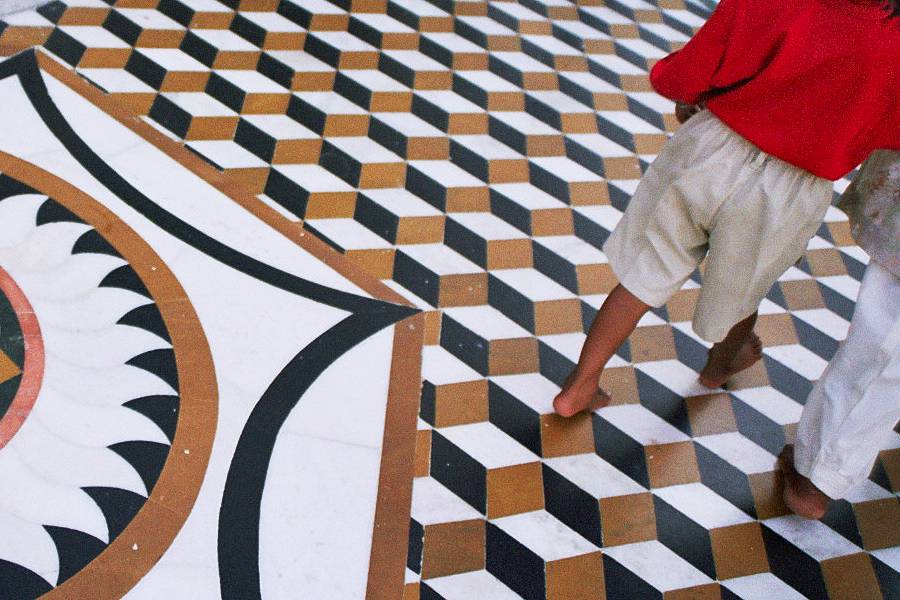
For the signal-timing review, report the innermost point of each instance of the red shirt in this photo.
(814, 82)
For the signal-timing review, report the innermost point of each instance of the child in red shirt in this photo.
(797, 93)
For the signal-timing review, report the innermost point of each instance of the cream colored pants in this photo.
(856, 403)
(711, 193)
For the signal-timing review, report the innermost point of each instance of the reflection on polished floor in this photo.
(287, 287)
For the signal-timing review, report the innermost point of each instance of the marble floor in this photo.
(287, 287)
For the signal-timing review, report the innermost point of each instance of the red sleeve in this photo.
(685, 75)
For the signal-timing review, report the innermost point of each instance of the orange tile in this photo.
(565, 437)
(711, 414)
(850, 578)
(513, 490)
(452, 548)
(463, 290)
(710, 591)
(739, 550)
(627, 519)
(621, 384)
(652, 343)
(672, 464)
(826, 262)
(509, 357)
(461, 403)
(576, 578)
(767, 489)
(879, 523)
(776, 330)
(802, 294)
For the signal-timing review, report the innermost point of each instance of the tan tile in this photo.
(212, 128)
(826, 262)
(512, 356)
(510, 254)
(84, 15)
(649, 143)
(576, 578)
(557, 316)
(776, 330)
(467, 124)
(461, 403)
(265, 104)
(767, 489)
(112, 58)
(890, 461)
(802, 294)
(421, 230)
(423, 453)
(545, 145)
(346, 125)
(672, 464)
(391, 102)
(330, 205)
(136, 103)
(452, 548)
(377, 261)
(709, 591)
(297, 151)
(180, 81)
(428, 148)
(463, 290)
(621, 384)
(284, 40)
(879, 523)
(682, 304)
(652, 343)
(468, 199)
(627, 519)
(739, 550)
(850, 578)
(382, 175)
(514, 490)
(566, 437)
(755, 376)
(840, 233)
(578, 123)
(508, 170)
(552, 221)
(253, 178)
(588, 193)
(711, 414)
(595, 279)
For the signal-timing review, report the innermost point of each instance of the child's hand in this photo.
(683, 111)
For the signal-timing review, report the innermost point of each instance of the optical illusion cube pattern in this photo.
(476, 155)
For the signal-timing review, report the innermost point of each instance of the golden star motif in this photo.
(8, 369)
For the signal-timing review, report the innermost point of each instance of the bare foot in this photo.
(719, 369)
(577, 396)
(801, 496)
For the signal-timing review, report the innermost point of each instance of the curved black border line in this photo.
(25, 66)
(239, 517)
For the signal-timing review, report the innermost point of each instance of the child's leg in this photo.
(853, 407)
(740, 349)
(617, 318)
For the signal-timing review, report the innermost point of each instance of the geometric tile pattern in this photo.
(475, 155)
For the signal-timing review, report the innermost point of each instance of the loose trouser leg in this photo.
(856, 403)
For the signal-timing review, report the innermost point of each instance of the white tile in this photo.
(533, 284)
(675, 376)
(314, 178)
(545, 535)
(524, 122)
(402, 203)
(487, 322)
(825, 321)
(487, 226)
(762, 586)
(702, 505)
(566, 169)
(375, 80)
(349, 234)
(474, 585)
(740, 452)
(487, 147)
(449, 101)
(532, 389)
(798, 359)
(528, 196)
(813, 537)
(488, 81)
(364, 150)
(595, 476)
(642, 425)
(446, 173)
(488, 445)
(440, 259)
(280, 127)
(432, 503)
(771, 403)
(227, 155)
(657, 565)
(441, 368)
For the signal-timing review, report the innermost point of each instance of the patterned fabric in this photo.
(873, 204)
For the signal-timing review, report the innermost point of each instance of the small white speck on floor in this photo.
(134, 547)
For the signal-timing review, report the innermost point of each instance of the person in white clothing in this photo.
(856, 402)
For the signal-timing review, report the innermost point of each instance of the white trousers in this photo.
(856, 403)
